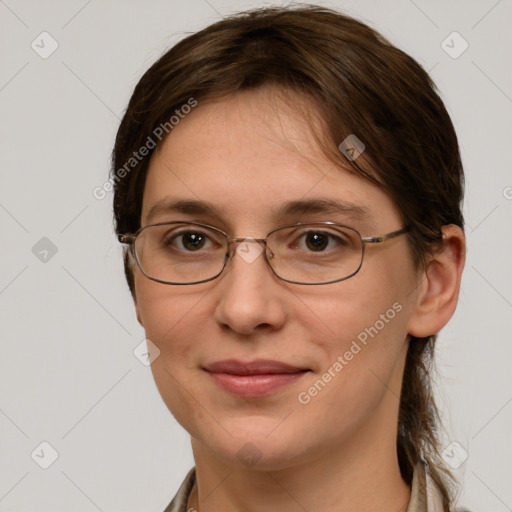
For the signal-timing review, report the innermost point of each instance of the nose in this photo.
(250, 296)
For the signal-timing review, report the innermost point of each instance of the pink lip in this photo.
(254, 378)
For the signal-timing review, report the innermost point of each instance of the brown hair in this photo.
(359, 84)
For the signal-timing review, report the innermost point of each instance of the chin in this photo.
(259, 449)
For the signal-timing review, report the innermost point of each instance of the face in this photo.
(345, 343)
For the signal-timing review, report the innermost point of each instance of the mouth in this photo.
(253, 378)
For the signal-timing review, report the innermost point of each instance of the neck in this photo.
(362, 474)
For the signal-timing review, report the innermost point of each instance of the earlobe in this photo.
(137, 311)
(138, 315)
(439, 291)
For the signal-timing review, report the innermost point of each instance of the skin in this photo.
(247, 154)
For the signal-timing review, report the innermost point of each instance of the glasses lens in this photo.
(180, 253)
(315, 253)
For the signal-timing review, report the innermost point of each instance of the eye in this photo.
(316, 241)
(321, 241)
(190, 241)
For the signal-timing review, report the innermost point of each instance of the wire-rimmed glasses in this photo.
(186, 252)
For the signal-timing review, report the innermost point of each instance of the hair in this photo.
(358, 83)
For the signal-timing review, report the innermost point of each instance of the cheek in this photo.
(364, 320)
(172, 319)
(360, 356)
(354, 311)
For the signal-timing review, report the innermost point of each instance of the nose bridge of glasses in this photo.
(248, 239)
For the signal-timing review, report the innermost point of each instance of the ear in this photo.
(130, 268)
(439, 291)
(137, 309)
(137, 312)
(135, 303)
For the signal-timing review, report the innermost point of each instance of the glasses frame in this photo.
(130, 238)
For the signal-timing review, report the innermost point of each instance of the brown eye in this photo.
(322, 241)
(186, 241)
(193, 241)
(317, 241)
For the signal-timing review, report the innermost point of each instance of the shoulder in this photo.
(180, 501)
(425, 497)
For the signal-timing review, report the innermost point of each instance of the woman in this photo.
(289, 188)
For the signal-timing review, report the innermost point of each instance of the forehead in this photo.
(253, 156)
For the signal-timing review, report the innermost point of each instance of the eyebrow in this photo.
(287, 209)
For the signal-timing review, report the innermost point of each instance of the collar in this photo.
(424, 494)
(425, 497)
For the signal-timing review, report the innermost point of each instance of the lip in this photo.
(255, 378)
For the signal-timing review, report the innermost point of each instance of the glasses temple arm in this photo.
(383, 238)
(126, 239)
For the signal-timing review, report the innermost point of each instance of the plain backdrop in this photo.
(68, 374)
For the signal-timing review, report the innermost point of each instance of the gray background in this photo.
(68, 375)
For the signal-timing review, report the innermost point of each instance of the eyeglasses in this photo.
(302, 253)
